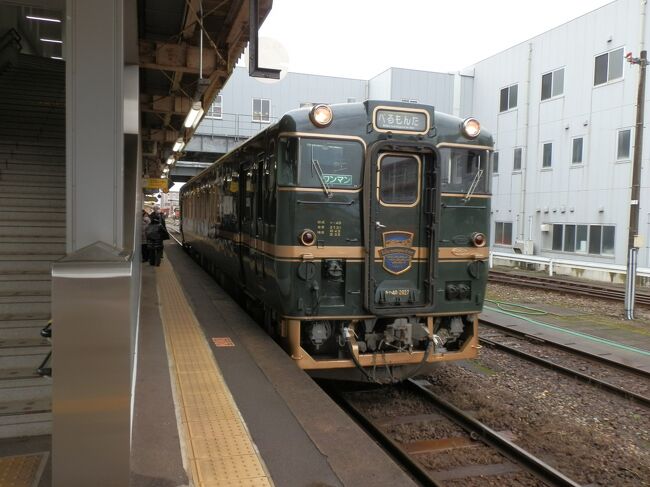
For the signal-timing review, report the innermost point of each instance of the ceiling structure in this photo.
(187, 51)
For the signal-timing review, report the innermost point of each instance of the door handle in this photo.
(379, 225)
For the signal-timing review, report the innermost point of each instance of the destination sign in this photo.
(399, 120)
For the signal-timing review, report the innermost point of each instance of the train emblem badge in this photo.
(397, 254)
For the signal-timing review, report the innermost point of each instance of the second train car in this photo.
(360, 230)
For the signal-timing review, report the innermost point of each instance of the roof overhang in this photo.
(176, 71)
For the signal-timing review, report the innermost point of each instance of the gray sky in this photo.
(361, 38)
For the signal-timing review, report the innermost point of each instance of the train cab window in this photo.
(399, 179)
(464, 171)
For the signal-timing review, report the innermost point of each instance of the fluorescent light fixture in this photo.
(53, 41)
(170, 161)
(194, 115)
(44, 19)
(178, 145)
(55, 57)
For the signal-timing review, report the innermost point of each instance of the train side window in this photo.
(288, 161)
(399, 180)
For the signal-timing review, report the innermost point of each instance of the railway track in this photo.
(573, 287)
(618, 390)
(567, 348)
(514, 460)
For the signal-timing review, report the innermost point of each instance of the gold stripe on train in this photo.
(463, 253)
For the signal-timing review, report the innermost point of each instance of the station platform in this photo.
(623, 346)
(219, 403)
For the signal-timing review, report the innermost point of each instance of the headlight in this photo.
(471, 128)
(321, 115)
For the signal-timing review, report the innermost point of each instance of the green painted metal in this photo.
(244, 215)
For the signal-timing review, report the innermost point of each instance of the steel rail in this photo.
(567, 348)
(532, 464)
(569, 372)
(412, 466)
(547, 283)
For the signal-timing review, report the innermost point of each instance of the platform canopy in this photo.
(172, 77)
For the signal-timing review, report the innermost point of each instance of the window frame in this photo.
(609, 80)
(582, 150)
(508, 97)
(514, 158)
(590, 229)
(550, 165)
(629, 146)
(418, 159)
(261, 120)
(503, 241)
(210, 113)
(552, 96)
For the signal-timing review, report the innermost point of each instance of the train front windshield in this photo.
(333, 163)
(464, 171)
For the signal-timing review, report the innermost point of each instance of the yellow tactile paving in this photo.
(22, 470)
(217, 443)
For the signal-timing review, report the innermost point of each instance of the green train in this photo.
(358, 230)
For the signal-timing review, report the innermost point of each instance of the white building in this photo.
(561, 107)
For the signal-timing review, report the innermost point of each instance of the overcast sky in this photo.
(362, 38)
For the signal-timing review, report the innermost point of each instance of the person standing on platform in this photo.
(156, 234)
(144, 249)
(158, 213)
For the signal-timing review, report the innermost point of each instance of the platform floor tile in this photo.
(218, 446)
(22, 470)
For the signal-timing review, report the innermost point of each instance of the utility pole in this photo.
(633, 237)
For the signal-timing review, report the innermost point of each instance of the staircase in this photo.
(32, 234)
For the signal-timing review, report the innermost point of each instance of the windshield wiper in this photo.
(472, 187)
(319, 172)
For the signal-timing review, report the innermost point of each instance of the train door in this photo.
(401, 189)
(248, 224)
(252, 222)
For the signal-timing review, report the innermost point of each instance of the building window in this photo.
(608, 67)
(623, 144)
(553, 84)
(576, 151)
(216, 109)
(261, 110)
(495, 162)
(547, 155)
(582, 239)
(516, 165)
(508, 99)
(503, 233)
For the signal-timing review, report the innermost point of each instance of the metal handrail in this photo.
(577, 264)
(11, 37)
